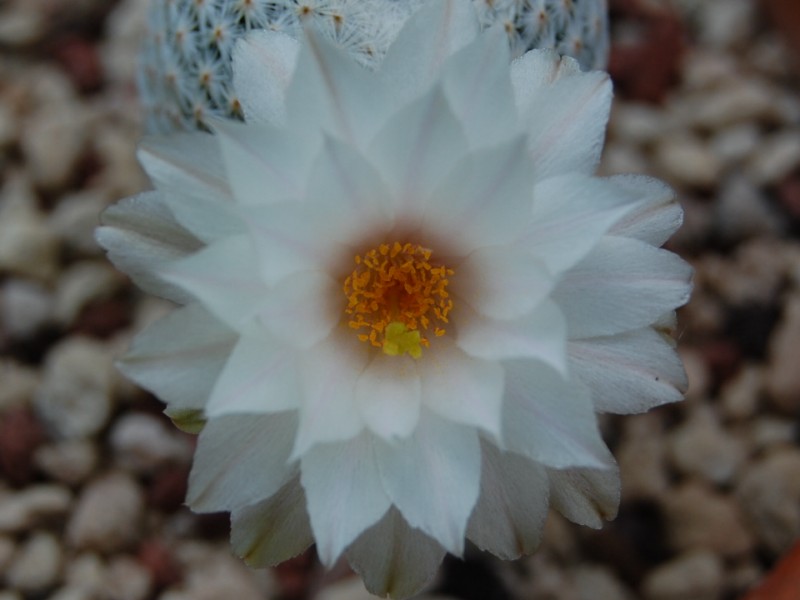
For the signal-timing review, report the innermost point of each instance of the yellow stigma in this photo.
(395, 295)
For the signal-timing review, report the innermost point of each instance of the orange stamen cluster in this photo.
(397, 284)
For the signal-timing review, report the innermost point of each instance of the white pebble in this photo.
(37, 564)
(769, 491)
(783, 374)
(701, 447)
(32, 506)
(81, 284)
(68, 461)
(52, 164)
(776, 157)
(687, 160)
(75, 397)
(27, 245)
(75, 218)
(734, 144)
(695, 575)
(25, 307)
(143, 443)
(126, 579)
(108, 514)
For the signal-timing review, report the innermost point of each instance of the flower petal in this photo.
(657, 215)
(260, 376)
(623, 284)
(478, 87)
(630, 372)
(241, 459)
(179, 357)
(462, 389)
(511, 511)
(416, 148)
(303, 308)
(571, 213)
(486, 199)
(388, 394)
(549, 419)
(141, 235)
(540, 335)
(335, 94)
(329, 374)
(208, 220)
(287, 241)
(502, 282)
(348, 194)
(185, 163)
(272, 55)
(344, 491)
(585, 496)
(568, 136)
(394, 559)
(433, 34)
(433, 477)
(263, 164)
(273, 530)
(223, 276)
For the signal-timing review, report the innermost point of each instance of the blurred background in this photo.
(92, 475)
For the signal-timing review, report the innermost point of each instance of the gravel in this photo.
(93, 476)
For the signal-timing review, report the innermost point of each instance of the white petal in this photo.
(241, 459)
(288, 241)
(540, 335)
(263, 165)
(334, 94)
(141, 235)
(549, 419)
(263, 64)
(389, 395)
(536, 70)
(478, 87)
(502, 282)
(416, 148)
(207, 219)
(260, 377)
(622, 284)
(461, 388)
(571, 213)
(486, 199)
(433, 477)
(565, 112)
(510, 514)
(224, 277)
(346, 193)
(303, 308)
(185, 163)
(585, 496)
(657, 215)
(179, 357)
(436, 32)
(344, 491)
(330, 372)
(630, 372)
(395, 560)
(273, 530)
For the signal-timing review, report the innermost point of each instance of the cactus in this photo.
(185, 74)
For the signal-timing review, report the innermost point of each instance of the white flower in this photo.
(405, 296)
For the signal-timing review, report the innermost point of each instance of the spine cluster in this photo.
(185, 76)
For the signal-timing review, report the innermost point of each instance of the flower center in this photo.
(395, 295)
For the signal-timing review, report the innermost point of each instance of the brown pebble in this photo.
(81, 61)
(167, 489)
(21, 434)
(155, 556)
